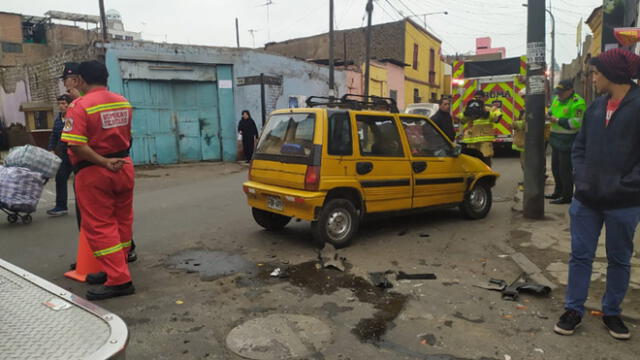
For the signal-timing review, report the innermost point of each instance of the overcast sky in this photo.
(211, 22)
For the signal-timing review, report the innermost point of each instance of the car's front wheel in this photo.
(269, 220)
(337, 223)
(477, 203)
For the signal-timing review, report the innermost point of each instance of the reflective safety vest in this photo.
(569, 113)
(479, 130)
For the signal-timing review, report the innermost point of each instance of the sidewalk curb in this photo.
(527, 266)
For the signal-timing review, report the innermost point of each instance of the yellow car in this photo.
(333, 167)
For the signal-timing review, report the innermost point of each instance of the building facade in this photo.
(402, 41)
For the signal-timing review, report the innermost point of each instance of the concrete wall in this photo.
(298, 77)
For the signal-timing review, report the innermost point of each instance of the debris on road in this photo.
(330, 259)
(276, 272)
(596, 313)
(403, 232)
(179, 302)
(379, 279)
(521, 285)
(426, 276)
(424, 235)
(427, 339)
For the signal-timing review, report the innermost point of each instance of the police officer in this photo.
(98, 132)
(565, 115)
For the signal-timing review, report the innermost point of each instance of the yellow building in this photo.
(595, 24)
(424, 75)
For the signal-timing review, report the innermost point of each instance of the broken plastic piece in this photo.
(379, 279)
(426, 276)
(276, 272)
(596, 313)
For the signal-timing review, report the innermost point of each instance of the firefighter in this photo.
(98, 132)
(71, 80)
(565, 115)
(478, 121)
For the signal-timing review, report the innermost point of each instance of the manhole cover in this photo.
(279, 337)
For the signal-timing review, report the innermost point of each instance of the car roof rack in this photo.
(355, 102)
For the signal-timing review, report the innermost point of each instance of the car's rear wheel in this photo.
(337, 223)
(477, 203)
(269, 220)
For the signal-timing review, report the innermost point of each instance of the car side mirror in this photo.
(457, 150)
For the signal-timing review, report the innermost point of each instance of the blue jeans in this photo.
(62, 177)
(586, 225)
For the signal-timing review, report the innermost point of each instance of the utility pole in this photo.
(553, 48)
(237, 33)
(332, 89)
(534, 166)
(103, 21)
(367, 54)
(263, 100)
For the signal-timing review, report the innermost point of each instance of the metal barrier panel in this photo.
(39, 320)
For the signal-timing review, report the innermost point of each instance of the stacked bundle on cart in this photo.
(25, 172)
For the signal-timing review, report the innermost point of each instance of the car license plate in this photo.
(275, 203)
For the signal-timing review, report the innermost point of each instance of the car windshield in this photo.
(288, 134)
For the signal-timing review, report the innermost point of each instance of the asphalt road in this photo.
(184, 314)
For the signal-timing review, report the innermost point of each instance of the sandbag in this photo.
(20, 188)
(35, 159)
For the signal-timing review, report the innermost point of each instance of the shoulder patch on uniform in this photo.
(579, 112)
(68, 124)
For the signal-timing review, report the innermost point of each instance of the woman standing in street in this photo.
(247, 128)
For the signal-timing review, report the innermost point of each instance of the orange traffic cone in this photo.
(86, 263)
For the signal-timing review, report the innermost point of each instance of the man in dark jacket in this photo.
(60, 148)
(443, 119)
(606, 160)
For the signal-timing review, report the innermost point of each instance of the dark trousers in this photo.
(247, 147)
(62, 178)
(562, 173)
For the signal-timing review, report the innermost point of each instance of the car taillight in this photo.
(312, 178)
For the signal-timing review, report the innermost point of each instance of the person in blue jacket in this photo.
(60, 148)
(606, 169)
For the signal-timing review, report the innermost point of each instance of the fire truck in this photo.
(501, 80)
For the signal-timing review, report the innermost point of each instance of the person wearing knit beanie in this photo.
(618, 65)
(606, 168)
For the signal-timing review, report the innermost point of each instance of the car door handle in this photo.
(363, 168)
(419, 166)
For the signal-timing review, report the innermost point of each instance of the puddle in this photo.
(326, 281)
(210, 264)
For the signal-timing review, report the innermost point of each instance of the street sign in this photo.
(257, 80)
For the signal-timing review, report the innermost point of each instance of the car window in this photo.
(378, 136)
(424, 139)
(340, 140)
(288, 134)
(424, 112)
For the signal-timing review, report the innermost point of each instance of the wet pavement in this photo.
(197, 215)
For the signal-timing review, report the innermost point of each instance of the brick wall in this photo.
(10, 28)
(387, 41)
(44, 77)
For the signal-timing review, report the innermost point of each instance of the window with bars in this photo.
(416, 51)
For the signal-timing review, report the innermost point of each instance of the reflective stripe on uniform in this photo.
(113, 249)
(108, 106)
(74, 137)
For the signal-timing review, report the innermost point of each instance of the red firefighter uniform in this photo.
(102, 120)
